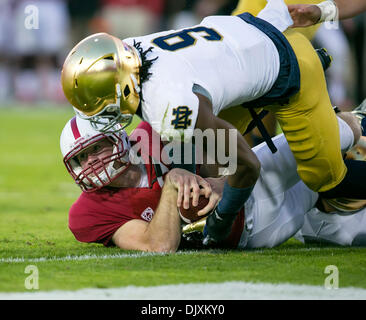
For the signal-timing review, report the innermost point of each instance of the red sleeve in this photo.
(95, 217)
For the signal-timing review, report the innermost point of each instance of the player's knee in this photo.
(316, 178)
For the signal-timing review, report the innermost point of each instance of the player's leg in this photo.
(279, 170)
(347, 230)
(251, 6)
(274, 220)
(269, 121)
(310, 124)
(279, 201)
(275, 211)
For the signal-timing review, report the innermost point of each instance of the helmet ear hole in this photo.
(126, 91)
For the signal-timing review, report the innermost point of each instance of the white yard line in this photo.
(205, 291)
(141, 255)
(88, 257)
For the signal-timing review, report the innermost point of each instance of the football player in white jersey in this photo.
(282, 206)
(334, 226)
(183, 79)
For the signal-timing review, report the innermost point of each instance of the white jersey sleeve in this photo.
(276, 13)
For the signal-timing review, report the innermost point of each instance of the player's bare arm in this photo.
(217, 187)
(163, 233)
(248, 166)
(305, 15)
(238, 185)
(350, 8)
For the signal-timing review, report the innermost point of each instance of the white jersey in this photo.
(225, 58)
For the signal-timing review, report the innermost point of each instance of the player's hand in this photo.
(304, 15)
(217, 186)
(188, 185)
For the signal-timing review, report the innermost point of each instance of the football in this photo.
(190, 215)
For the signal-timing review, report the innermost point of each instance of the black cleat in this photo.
(217, 228)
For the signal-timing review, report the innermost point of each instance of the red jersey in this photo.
(96, 216)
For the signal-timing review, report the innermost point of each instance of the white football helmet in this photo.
(76, 137)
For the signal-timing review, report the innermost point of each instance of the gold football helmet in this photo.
(100, 78)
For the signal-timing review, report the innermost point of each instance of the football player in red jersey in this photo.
(124, 203)
(134, 205)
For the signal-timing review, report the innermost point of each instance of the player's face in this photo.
(94, 154)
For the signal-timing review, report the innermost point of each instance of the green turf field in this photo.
(36, 193)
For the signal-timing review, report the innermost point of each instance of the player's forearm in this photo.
(350, 8)
(241, 162)
(247, 168)
(164, 231)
